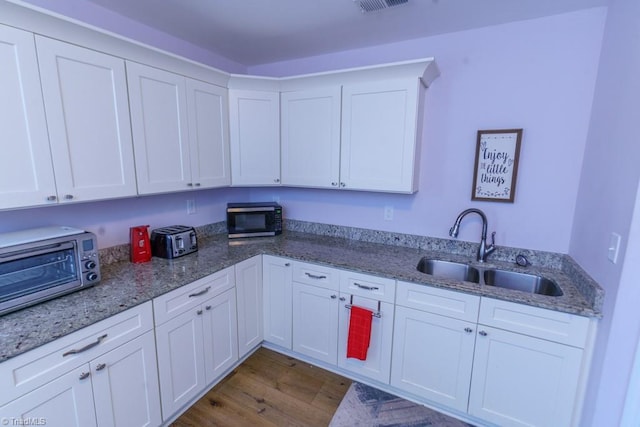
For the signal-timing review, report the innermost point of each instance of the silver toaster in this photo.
(173, 241)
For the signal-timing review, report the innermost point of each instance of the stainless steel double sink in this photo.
(514, 280)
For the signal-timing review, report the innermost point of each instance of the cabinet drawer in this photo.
(448, 303)
(551, 325)
(188, 296)
(367, 286)
(43, 364)
(316, 275)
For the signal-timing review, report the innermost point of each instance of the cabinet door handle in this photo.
(343, 299)
(334, 184)
(199, 312)
(277, 180)
(84, 375)
(367, 288)
(197, 184)
(314, 276)
(101, 366)
(342, 184)
(208, 307)
(202, 292)
(483, 333)
(286, 264)
(468, 330)
(52, 198)
(334, 296)
(68, 196)
(190, 184)
(86, 347)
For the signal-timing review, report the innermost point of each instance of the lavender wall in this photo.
(110, 220)
(100, 17)
(607, 195)
(538, 75)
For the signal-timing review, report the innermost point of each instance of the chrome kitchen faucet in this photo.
(483, 250)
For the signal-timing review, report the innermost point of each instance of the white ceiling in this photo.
(253, 32)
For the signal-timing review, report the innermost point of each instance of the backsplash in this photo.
(588, 287)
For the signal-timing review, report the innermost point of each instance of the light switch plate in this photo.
(614, 247)
(388, 213)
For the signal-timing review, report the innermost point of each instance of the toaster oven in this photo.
(44, 263)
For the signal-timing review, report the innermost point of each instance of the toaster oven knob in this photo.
(90, 265)
(92, 276)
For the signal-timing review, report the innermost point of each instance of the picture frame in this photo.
(496, 165)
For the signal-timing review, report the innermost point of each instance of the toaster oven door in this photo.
(36, 274)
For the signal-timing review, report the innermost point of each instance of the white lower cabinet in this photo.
(528, 375)
(65, 401)
(249, 304)
(277, 276)
(315, 322)
(199, 341)
(504, 363)
(103, 375)
(432, 352)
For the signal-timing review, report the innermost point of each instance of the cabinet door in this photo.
(65, 401)
(85, 95)
(377, 366)
(180, 360)
(125, 385)
(208, 110)
(378, 150)
(220, 334)
(311, 137)
(26, 171)
(523, 381)
(277, 274)
(160, 129)
(315, 322)
(249, 303)
(433, 356)
(254, 118)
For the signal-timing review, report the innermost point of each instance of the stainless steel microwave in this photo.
(254, 219)
(44, 263)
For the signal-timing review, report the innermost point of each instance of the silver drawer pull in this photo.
(314, 276)
(101, 366)
(468, 330)
(483, 333)
(202, 292)
(84, 375)
(368, 288)
(86, 347)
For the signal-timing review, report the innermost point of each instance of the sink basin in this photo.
(449, 270)
(521, 282)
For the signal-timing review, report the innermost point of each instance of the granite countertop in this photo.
(125, 285)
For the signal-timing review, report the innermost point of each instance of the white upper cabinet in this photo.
(26, 172)
(379, 150)
(208, 111)
(85, 95)
(254, 127)
(355, 129)
(310, 126)
(180, 135)
(158, 103)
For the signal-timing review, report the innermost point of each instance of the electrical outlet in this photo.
(191, 207)
(614, 247)
(388, 213)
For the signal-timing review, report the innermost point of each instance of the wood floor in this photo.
(269, 389)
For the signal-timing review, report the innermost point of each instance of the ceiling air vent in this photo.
(371, 5)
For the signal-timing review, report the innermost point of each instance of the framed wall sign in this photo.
(496, 166)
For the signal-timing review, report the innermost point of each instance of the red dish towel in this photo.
(359, 333)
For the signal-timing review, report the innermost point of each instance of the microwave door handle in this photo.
(27, 253)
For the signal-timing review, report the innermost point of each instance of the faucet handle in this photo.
(493, 238)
